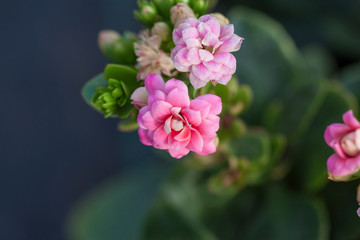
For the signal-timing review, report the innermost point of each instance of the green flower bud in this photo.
(199, 6)
(110, 99)
(164, 7)
(116, 48)
(148, 12)
(161, 29)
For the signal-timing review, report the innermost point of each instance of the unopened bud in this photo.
(147, 13)
(221, 18)
(161, 29)
(139, 97)
(199, 6)
(118, 49)
(179, 13)
(107, 38)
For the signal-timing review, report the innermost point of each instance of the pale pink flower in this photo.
(173, 122)
(150, 58)
(203, 48)
(139, 97)
(345, 140)
(180, 12)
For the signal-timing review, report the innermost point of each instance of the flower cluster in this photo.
(185, 45)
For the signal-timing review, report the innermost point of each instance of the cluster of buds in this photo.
(110, 99)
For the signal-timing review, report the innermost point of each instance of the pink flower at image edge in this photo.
(345, 140)
(203, 48)
(172, 122)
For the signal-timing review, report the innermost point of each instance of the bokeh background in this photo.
(54, 148)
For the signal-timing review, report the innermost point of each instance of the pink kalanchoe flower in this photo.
(173, 122)
(345, 140)
(203, 48)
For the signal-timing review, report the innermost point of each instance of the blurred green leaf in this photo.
(116, 209)
(268, 61)
(271, 212)
(342, 206)
(350, 77)
(286, 216)
(178, 210)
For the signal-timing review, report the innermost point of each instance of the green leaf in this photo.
(123, 73)
(285, 215)
(89, 89)
(271, 212)
(342, 205)
(178, 210)
(350, 77)
(268, 60)
(116, 209)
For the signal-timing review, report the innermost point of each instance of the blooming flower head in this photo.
(203, 48)
(345, 140)
(173, 122)
(150, 58)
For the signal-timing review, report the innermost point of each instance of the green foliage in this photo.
(116, 209)
(268, 60)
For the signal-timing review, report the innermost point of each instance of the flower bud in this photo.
(116, 48)
(139, 97)
(109, 99)
(199, 6)
(147, 13)
(161, 29)
(164, 7)
(221, 18)
(179, 13)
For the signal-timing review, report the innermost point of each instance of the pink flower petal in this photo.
(144, 139)
(208, 148)
(226, 30)
(190, 32)
(224, 79)
(161, 110)
(335, 132)
(200, 105)
(215, 102)
(180, 60)
(177, 149)
(160, 139)
(209, 125)
(141, 114)
(210, 40)
(167, 125)
(197, 82)
(192, 43)
(196, 143)
(203, 29)
(201, 72)
(156, 95)
(194, 117)
(175, 84)
(212, 22)
(184, 135)
(231, 44)
(149, 122)
(153, 82)
(205, 55)
(350, 120)
(193, 56)
(177, 98)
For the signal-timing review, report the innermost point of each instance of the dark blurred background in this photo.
(54, 148)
